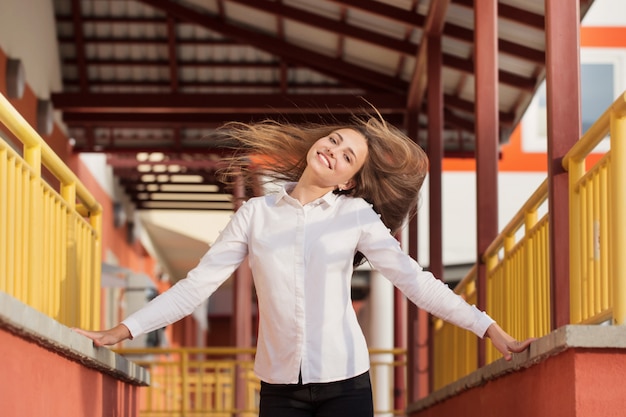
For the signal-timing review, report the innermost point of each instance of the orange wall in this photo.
(575, 383)
(39, 382)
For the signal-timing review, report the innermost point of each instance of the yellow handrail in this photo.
(598, 221)
(50, 250)
(518, 290)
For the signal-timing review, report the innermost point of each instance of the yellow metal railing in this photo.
(455, 349)
(518, 289)
(598, 222)
(49, 245)
(518, 285)
(204, 381)
(518, 270)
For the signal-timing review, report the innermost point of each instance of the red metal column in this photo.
(487, 128)
(435, 153)
(564, 129)
(435, 156)
(242, 311)
(417, 320)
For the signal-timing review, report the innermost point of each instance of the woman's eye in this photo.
(347, 158)
(332, 140)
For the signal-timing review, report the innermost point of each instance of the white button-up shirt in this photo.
(301, 260)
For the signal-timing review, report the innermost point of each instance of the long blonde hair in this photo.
(390, 178)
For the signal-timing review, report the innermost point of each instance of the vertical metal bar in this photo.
(96, 274)
(530, 220)
(576, 171)
(487, 138)
(4, 225)
(11, 225)
(618, 215)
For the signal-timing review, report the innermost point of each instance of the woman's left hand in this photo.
(505, 343)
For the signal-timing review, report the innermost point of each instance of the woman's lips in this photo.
(324, 159)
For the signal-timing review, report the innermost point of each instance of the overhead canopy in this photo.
(156, 77)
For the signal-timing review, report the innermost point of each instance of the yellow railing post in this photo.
(576, 168)
(617, 210)
(530, 220)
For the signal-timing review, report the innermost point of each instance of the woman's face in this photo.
(337, 158)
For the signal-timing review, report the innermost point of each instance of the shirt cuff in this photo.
(133, 326)
(482, 323)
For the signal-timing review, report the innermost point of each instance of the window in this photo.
(601, 83)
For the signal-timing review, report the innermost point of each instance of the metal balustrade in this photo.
(50, 252)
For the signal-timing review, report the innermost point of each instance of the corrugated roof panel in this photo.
(460, 16)
(370, 56)
(521, 34)
(253, 18)
(318, 40)
(517, 66)
(508, 98)
(535, 6)
(327, 9)
(370, 22)
(452, 79)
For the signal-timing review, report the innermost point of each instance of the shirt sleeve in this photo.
(385, 255)
(215, 267)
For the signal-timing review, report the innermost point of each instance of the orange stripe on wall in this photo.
(603, 37)
(513, 158)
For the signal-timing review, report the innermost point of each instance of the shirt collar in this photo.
(283, 194)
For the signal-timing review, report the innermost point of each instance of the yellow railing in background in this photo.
(50, 251)
(518, 282)
(597, 201)
(455, 349)
(518, 271)
(518, 292)
(203, 381)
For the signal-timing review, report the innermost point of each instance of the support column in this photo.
(418, 365)
(487, 139)
(435, 153)
(381, 337)
(564, 129)
(241, 324)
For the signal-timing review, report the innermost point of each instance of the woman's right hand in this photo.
(107, 337)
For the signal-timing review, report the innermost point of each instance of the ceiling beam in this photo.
(505, 11)
(325, 64)
(225, 103)
(432, 27)
(336, 26)
(387, 11)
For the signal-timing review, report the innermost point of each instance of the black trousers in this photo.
(351, 397)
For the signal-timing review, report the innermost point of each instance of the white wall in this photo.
(459, 211)
(27, 32)
(606, 13)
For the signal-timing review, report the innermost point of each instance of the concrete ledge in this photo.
(30, 324)
(564, 338)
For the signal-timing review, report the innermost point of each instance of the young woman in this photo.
(348, 190)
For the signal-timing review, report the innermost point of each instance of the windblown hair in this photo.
(390, 178)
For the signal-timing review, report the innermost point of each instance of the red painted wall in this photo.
(575, 383)
(37, 382)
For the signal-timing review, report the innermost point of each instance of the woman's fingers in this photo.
(107, 337)
(505, 343)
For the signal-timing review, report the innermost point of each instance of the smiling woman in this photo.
(348, 189)
(390, 176)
